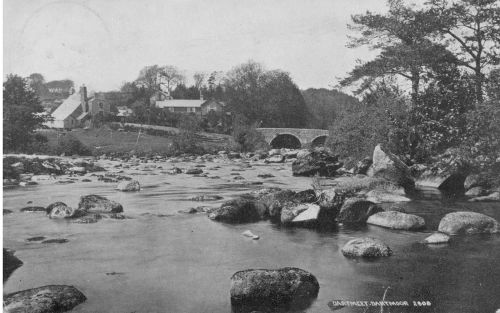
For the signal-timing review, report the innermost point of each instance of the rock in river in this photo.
(46, 299)
(99, 204)
(10, 263)
(206, 198)
(61, 210)
(397, 220)
(495, 196)
(33, 209)
(320, 161)
(357, 210)
(237, 211)
(194, 170)
(249, 234)
(275, 159)
(274, 288)
(437, 238)
(132, 185)
(382, 196)
(299, 213)
(468, 223)
(366, 247)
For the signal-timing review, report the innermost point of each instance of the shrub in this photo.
(247, 137)
(70, 145)
(186, 142)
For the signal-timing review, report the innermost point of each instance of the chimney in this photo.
(201, 95)
(83, 98)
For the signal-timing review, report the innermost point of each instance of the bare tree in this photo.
(199, 79)
(170, 76)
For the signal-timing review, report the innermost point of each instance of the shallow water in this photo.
(164, 261)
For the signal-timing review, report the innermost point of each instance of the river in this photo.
(160, 260)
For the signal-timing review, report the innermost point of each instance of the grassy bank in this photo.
(106, 141)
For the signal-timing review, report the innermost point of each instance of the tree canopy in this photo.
(269, 98)
(22, 112)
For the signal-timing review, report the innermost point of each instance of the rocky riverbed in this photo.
(161, 252)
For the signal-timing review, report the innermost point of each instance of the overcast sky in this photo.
(104, 43)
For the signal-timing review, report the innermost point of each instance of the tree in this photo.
(149, 79)
(36, 81)
(493, 87)
(22, 113)
(269, 98)
(405, 51)
(377, 119)
(199, 79)
(473, 28)
(326, 106)
(171, 76)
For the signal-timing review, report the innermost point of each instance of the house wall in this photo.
(184, 109)
(98, 105)
(209, 106)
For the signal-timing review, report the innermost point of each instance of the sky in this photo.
(103, 43)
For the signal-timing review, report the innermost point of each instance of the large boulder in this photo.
(132, 185)
(99, 204)
(357, 210)
(388, 166)
(396, 220)
(319, 161)
(10, 263)
(61, 210)
(366, 247)
(468, 223)
(237, 211)
(301, 213)
(46, 299)
(287, 286)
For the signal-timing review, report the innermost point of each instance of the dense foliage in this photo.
(326, 106)
(448, 54)
(22, 114)
(268, 98)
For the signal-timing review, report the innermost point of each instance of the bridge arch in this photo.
(285, 141)
(319, 141)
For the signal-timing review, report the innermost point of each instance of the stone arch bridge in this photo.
(293, 137)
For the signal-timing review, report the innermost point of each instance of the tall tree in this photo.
(473, 28)
(22, 112)
(405, 51)
(269, 98)
(171, 76)
(37, 82)
(199, 79)
(149, 79)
